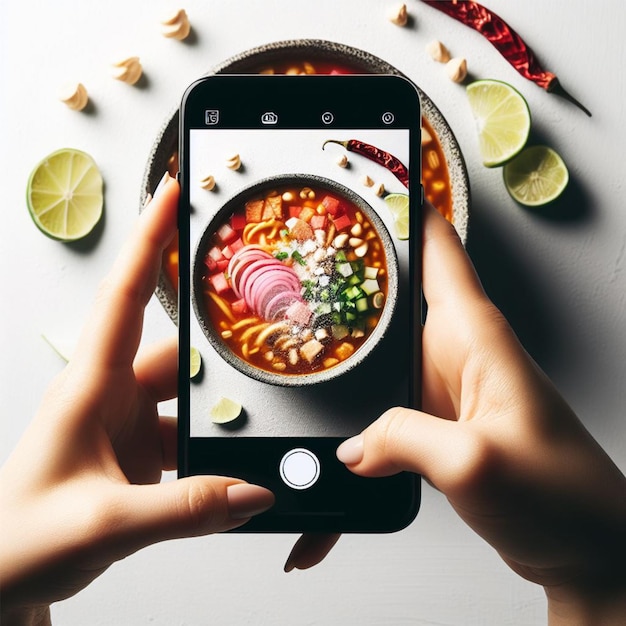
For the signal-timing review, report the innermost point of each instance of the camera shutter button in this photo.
(299, 468)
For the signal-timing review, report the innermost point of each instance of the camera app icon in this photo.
(388, 117)
(211, 117)
(327, 117)
(269, 118)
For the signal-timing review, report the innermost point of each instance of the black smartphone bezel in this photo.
(359, 504)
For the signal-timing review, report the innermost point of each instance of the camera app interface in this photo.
(299, 277)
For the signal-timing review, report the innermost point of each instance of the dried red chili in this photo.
(508, 43)
(387, 160)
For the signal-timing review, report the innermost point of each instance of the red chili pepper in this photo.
(392, 163)
(508, 43)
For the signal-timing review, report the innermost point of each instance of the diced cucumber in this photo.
(341, 256)
(354, 280)
(353, 293)
(345, 269)
(362, 305)
(370, 272)
(323, 308)
(370, 286)
(339, 331)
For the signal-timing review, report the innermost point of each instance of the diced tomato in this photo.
(228, 252)
(239, 306)
(236, 245)
(226, 234)
(216, 254)
(210, 263)
(330, 204)
(222, 265)
(238, 221)
(341, 222)
(219, 282)
(318, 222)
(294, 211)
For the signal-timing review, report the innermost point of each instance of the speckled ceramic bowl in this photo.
(320, 51)
(199, 270)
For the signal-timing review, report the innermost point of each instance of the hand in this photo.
(511, 457)
(76, 493)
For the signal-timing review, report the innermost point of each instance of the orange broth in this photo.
(332, 260)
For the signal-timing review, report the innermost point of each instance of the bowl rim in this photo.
(369, 345)
(166, 140)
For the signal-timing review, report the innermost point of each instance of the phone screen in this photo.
(299, 285)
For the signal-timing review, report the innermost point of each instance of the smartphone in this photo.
(299, 287)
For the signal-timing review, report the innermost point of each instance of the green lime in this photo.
(64, 195)
(536, 176)
(225, 410)
(502, 117)
(195, 362)
(398, 204)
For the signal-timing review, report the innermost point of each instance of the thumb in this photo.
(188, 507)
(408, 440)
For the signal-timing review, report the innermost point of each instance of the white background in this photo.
(558, 274)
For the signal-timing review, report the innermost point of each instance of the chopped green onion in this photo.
(297, 257)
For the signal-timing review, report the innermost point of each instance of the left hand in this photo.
(76, 492)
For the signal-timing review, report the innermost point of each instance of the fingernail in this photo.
(350, 451)
(161, 184)
(248, 500)
(289, 566)
(147, 201)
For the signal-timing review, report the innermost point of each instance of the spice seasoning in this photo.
(508, 43)
(387, 160)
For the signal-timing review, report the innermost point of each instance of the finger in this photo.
(407, 440)
(113, 331)
(168, 428)
(156, 369)
(449, 277)
(189, 507)
(310, 549)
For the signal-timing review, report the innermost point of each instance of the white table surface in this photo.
(559, 275)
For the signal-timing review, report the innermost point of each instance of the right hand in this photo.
(499, 441)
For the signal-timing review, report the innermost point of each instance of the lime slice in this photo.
(195, 362)
(225, 410)
(398, 204)
(536, 176)
(64, 195)
(503, 120)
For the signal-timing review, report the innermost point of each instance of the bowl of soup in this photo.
(444, 173)
(294, 280)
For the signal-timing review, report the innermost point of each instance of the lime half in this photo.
(536, 176)
(398, 204)
(503, 120)
(225, 410)
(64, 195)
(195, 362)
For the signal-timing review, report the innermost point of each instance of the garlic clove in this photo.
(399, 16)
(379, 190)
(208, 182)
(438, 52)
(176, 25)
(367, 181)
(233, 162)
(342, 161)
(457, 69)
(74, 96)
(128, 70)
